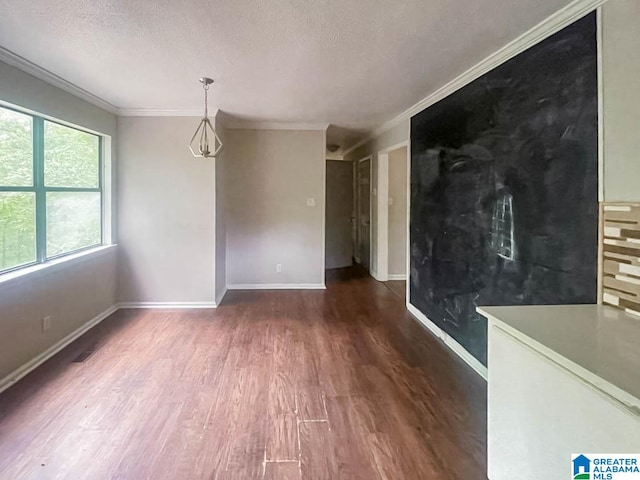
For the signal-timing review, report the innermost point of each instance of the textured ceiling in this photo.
(351, 63)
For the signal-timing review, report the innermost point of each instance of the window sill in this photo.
(52, 266)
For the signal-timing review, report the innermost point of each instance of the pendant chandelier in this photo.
(205, 142)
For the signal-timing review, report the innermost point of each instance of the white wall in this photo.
(270, 175)
(621, 99)
(166, 213)
(398, 212)
(221, 219)
(71, 294)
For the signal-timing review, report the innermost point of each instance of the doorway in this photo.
(363, 213)
(397, 215)
(392, 209)
(340, 215)
(398, 222)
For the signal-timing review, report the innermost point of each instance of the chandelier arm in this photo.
(206, 138)
(195, 135)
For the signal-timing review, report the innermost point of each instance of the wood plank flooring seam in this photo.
(333, 385)
(324, 406)
(299, 445)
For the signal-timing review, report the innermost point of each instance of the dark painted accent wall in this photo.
(504, 188)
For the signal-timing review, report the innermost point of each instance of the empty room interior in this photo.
(321, 240)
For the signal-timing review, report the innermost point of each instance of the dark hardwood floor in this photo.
(399, 287)
(335, 384)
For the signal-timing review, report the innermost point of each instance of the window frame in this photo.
(40, 190)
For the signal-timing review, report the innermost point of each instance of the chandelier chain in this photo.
(206, 106)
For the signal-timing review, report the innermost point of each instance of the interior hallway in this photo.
(335, 384)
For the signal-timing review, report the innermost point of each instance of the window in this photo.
(50, 189)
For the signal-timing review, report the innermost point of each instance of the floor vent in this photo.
(82, 357)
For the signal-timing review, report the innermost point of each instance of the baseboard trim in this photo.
(38, 360)
(221, 296)
(375, 275)
(167, 305)
(452, 344)
(398, 276)
(277, 286)
(35, 362)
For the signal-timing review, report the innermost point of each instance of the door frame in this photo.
(382, 208)
(356, 199)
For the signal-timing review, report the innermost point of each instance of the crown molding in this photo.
(552, 24)
(549, 26)
(244, 125)
(162, 112)
(45, 75)
(370, 136)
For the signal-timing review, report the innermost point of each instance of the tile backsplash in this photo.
(621, 256)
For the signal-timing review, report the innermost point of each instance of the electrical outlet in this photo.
(278, 267)
(46, 323)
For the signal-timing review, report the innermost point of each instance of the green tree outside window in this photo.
(50, 189)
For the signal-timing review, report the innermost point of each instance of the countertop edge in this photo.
(621, 397)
